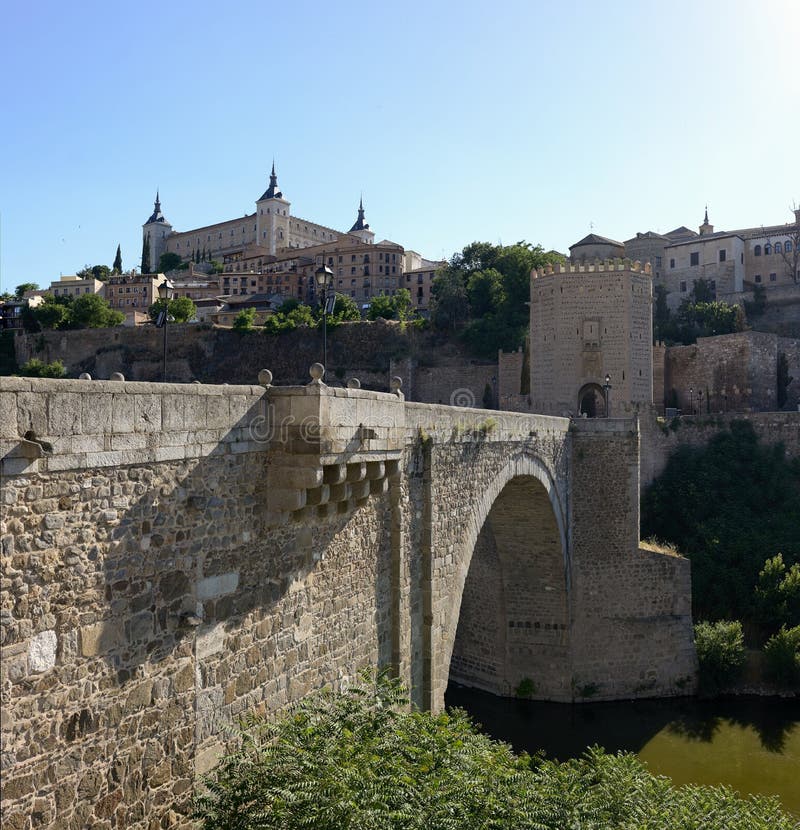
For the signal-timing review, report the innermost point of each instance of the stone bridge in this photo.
(176, 555)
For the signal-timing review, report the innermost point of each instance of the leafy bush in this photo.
(363, 760)
(244, 320)
(782, 656)
(777, 594)
(36, 368)
(720, 653)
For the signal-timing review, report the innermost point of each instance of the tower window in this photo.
(757, 250)
(722, 255)
(694, 258)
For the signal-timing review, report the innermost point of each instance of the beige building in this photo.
(731, 261)
(587, 322)
(133, 294)
(419, 282)
(73, 286)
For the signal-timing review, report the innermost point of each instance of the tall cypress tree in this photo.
(146, 255)
(116, 268)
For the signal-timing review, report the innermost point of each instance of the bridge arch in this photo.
(508, 613)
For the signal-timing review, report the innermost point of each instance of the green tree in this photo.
(363, 759)
(145, 268)
(449, 303)
(382, 306)
(244, 320)
(777, 594)
(116, 268)
(181, 309)
(51, 313)
(494, 280)
(23, 288)
(345, 308)
(720, 653)
(91, 311)
(704, 504)
(97, 272)
(169, 261)
(782, 656)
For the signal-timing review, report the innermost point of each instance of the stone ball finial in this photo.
(354, 383)
(265, 377)
(117, 376)
(195, 381)
(397, 383)
(317, 372)
(84, 376)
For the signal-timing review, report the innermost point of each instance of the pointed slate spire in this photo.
(272, 191)
(705, 219)
(360, 224)
(157, 215)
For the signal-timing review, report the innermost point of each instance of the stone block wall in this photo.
(146, 603)
(660, 439)
(735, 372)
(632, 630)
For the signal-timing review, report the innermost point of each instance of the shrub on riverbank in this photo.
(782, 656)
(720, 653)
(361, 759)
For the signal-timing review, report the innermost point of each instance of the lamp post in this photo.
(607, 389)
(166, 291)
(323, 276)
(691, 400)
(699, 401)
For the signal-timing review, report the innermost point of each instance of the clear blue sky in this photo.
(457, 120)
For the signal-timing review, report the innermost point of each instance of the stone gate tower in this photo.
(589, 322)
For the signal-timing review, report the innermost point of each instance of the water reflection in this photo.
(751, 744)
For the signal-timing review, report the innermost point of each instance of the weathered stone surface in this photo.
(42, 651)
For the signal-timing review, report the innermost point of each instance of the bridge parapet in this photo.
(330, 449)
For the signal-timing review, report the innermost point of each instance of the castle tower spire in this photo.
(360, 224)
(272, 191)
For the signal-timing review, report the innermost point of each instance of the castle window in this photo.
(722, 255)
(778, 247)
(672, 263)
(694, 258)
(366, 270)
(757, 250)
(787, 248)
(758, 278)
(773, 277)
(352, 270)
(683, 287)
(658, 262)
(767, 249)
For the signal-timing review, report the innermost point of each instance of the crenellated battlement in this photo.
(599, 265)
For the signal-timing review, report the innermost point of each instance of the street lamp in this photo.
(166, 291)
(607, 389)
(691, 400)
(323, 276)
(700, 402)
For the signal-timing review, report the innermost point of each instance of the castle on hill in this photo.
(271, 230)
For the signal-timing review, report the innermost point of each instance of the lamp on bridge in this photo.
(607, 390)
(323, 276)
(166, 291)
(691, 400)
(700, 402)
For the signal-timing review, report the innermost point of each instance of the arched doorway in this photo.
(592, 401)
(513, 619)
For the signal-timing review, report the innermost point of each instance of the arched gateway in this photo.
(507, 615)
(513, 618)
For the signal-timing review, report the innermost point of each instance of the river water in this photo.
(750, 744)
